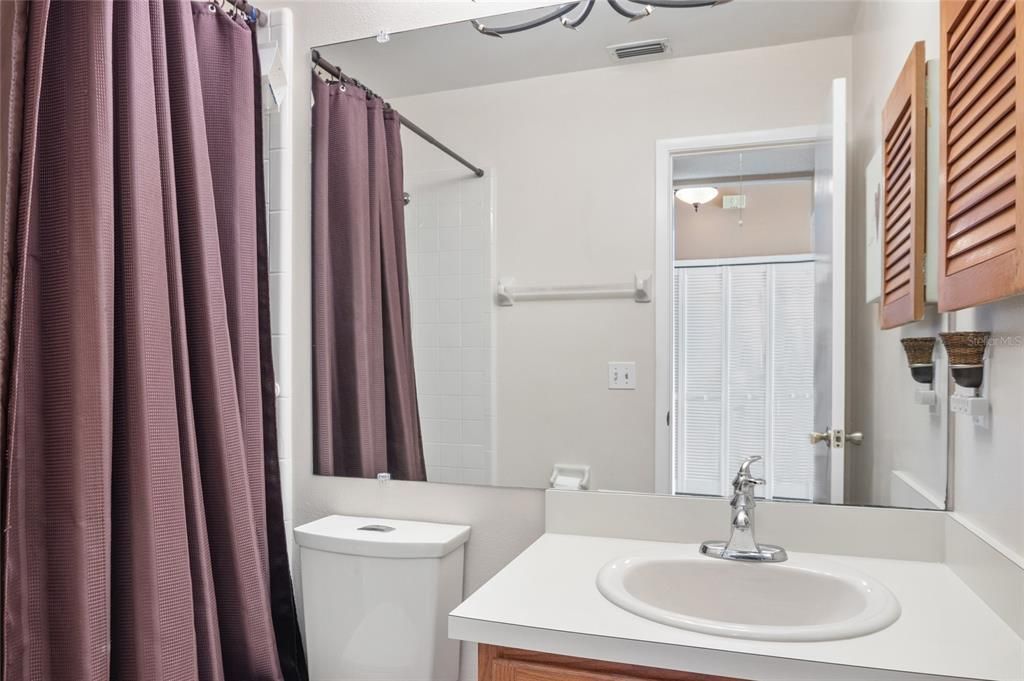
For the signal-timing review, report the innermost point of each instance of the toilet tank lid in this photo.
(381, 537)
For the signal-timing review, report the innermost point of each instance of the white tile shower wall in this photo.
(277, 162)
(450, 251)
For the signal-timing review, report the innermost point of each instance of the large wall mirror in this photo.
(624, 257)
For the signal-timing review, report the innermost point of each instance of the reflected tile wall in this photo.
(450, 250)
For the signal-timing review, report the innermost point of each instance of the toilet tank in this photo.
(376, 595)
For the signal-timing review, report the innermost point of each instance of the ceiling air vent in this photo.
(645, 49)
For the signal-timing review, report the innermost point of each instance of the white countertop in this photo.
(547, 600)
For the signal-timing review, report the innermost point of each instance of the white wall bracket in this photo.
(639, 291)
(926, 396)
(977, 408)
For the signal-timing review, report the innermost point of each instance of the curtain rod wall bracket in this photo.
(335, 72)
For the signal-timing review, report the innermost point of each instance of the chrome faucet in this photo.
(742, 544)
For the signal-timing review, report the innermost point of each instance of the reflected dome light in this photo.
(695, 196)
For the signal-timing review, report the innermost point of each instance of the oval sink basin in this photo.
(803, 599)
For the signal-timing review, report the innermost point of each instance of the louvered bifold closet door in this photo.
(744, 376)
(903, 133)
(746, 370)
(699, 355)
(791, 412)
(980, 152)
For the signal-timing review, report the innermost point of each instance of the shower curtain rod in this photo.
(336, 73)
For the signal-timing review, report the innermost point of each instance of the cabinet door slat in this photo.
(898, 136)
(961, 25)
(1000, 158)
(901, 250)
(962, 99)
(970, 149)
(899, 156)
(899, 235)
(990, 96)
(988, 187)
(898, 286)
(900, 207)
(990, 42)
(984, 232)
(984, 120)
(1000, 203)
(982, 254)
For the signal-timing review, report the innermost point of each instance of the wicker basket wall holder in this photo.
(966, 352)
(922, 367)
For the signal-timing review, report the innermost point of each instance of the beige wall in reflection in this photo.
(776, 221)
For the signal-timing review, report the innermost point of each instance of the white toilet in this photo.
(376, 596)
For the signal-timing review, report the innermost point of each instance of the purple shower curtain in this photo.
(144, 533)
(364, 386)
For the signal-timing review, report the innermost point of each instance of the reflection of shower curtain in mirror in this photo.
(744, 375)
(364, 388)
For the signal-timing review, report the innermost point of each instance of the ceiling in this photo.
(456, 56)
(767, 162)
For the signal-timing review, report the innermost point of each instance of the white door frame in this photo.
(837, 124)
(664, 258)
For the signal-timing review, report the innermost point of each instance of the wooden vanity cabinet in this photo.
(511, 664)
(981, 152)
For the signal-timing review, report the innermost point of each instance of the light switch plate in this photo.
(622, 375)
(734, 201)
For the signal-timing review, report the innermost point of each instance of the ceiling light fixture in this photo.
(631, 9)
(696, 196)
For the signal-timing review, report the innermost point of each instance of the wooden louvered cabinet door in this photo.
(903, 225)
(981, 244)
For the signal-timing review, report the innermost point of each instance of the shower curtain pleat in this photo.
(137, 516)
(364, 388)
(149, 543)
(61, 403)
(208, 658)
(13, 31)
(13, 34)
(405, 458)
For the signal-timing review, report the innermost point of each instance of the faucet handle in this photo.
(744, 480)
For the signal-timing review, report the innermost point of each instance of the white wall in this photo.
(988, 475)
(898, 434)
(988, 490)
(574, 182)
